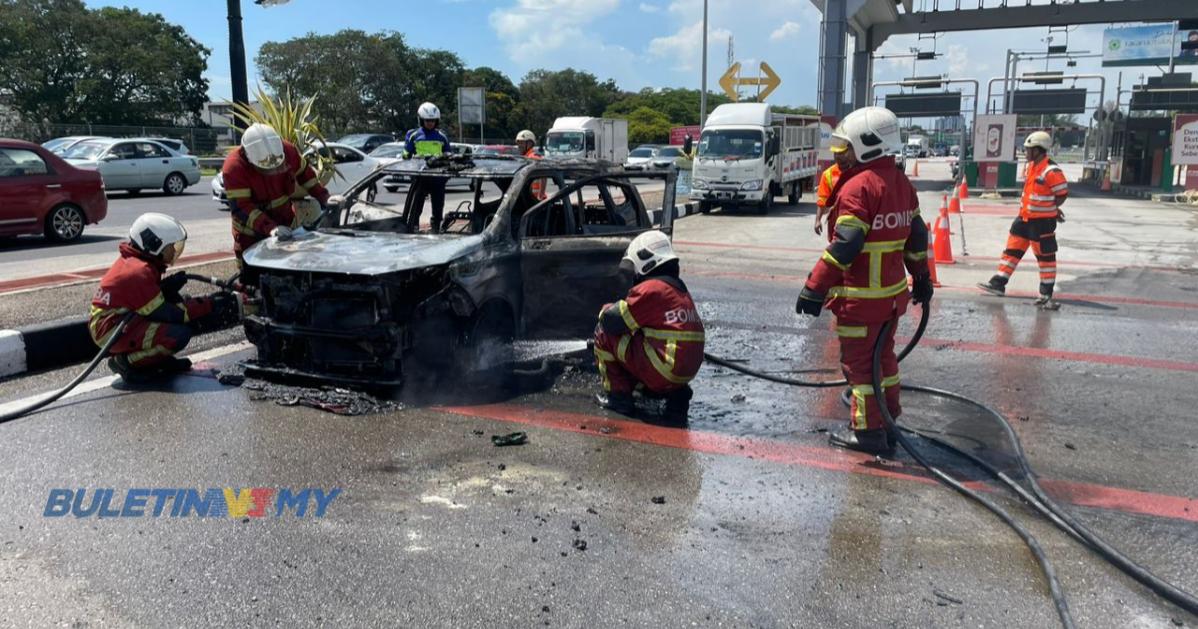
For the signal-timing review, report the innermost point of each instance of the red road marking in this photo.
(1062, 263)
(45, 281)
(776, 451)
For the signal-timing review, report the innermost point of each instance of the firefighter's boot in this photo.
(868, 441)
(621, 403)
(678, 404)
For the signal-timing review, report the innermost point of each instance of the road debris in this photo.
(326, 398)
(510, 439)
(951, 599)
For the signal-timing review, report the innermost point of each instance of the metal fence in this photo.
(201, 140)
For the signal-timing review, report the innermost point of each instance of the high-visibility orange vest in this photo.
(1043, 183)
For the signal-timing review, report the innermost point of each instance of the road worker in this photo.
(862, 276)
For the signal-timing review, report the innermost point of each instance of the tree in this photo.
(65, 63)
(546, 95)
(647, 126)
(680, 106)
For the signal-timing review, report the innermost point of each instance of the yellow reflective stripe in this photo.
(626, 314)
(671, 352)
(238, 193)
(622, 347)
(852, 221)
(603, 354)
(661, 367)
(885, 246)
(157, 301)
(254, 216)
(309, 184)
(239, 226)
(852, 331)
(147, 344)
(875, 269)
(859, 420)
(915, 256)
(283, 200)
(858, 292)
(675, 335)
(868, 389)
(830, 259)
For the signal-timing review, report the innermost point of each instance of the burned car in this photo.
(372, 295)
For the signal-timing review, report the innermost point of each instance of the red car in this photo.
(42, 194)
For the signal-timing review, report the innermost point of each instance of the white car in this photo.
(642, 155)
(135, 164)
(58, 146)
(352, 165)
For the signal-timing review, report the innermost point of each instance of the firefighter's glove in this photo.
(282, 232)
(809, 303)
(172, 285)
(921, 290)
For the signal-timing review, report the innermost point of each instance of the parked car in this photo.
(58, 146)
(498, 149)
(351, 165)
(42, 194)
(375, 298)
(390, 149)
(176, 146)
(136, 164)
(666, 155)
(365, 142)
(642, 154)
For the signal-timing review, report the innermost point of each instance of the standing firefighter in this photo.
(163, 321)
(1044, 190)
(653, 337)
(427, 141)
(261, 179)
(861, 275)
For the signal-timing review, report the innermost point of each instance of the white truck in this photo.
(748, 155)
(918, 146)
(583, 136)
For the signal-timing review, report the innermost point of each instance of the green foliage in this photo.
(546, 95)
(648, 126)
(294, 121)
(65, 63)
(680, 106)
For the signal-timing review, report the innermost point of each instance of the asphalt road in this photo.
(746, 518)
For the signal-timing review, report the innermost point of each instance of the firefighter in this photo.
(163, 320)
(861, 276)
(1044, 190)
(261, 180)
(427, 141)
(827, 183)
(653, 338)
(526, 141)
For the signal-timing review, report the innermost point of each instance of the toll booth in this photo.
(1139, 151)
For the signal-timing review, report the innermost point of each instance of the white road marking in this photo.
(105, 382)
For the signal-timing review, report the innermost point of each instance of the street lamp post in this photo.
(241, 91)
(703, 82)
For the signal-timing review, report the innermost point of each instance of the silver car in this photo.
(136, 164)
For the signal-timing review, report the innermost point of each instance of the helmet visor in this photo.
(270, 160)
(838, 144)
(172, 252)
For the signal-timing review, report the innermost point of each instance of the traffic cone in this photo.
(915, 172)
(964, 189)
(954, 206)
(932, 263)
(1106, 181)
(942, 250)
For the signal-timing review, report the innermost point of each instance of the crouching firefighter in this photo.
(163, 320)
(653, 338)
(861, 276)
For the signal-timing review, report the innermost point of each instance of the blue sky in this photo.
(638, 43)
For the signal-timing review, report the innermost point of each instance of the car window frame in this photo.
(571, 216)
(49, 170)
(166, 154)
(111, 150)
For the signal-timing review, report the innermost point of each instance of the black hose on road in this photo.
(33, 406)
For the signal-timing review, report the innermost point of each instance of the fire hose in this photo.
(1037, 498)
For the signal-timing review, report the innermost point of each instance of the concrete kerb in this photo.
(681, 210)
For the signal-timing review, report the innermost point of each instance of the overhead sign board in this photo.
(1066, 101)
(924, 105)
(1163, 99)
(472, 105)
(994, 138)
(1146, 45)
(1185, 140)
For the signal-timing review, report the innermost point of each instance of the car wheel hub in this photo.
(67, 223)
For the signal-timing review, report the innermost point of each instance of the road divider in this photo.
(45, 346)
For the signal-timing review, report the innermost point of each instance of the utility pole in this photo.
(703, 83)
(237, 64)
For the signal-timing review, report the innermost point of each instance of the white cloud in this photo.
(788, 29)
(649, 8)
(685, 47)
(532, 30)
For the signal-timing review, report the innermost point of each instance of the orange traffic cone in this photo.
(932, 264)
(954, 206)
(1106, 181)
(963, 189)
(942, 241)
(915, 172)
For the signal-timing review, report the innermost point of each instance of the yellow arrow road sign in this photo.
(766, 83)
(729, 81)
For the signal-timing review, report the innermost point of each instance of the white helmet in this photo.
(649, 251)
(873, 132)
(428, 111)
(263, 146)
(526, 136)
(1040, 139)
(154, 233)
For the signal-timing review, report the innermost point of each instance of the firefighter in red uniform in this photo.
(653, 337)
(861, 275)
(261, 179)
(163, 320)
(1044, 190)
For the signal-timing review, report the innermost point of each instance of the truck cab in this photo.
(584, 137)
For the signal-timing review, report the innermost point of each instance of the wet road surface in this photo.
(747, 518)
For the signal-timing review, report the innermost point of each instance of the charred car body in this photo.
(372, 293)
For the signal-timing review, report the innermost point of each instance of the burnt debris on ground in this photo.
(329, 399)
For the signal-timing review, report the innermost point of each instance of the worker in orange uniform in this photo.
(526, 141)
(1044, 190)
(163, 321)
(827, 183)
(862, 276)
(261, 179)
(653, 338)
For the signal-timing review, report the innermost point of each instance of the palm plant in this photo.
(294, 121)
